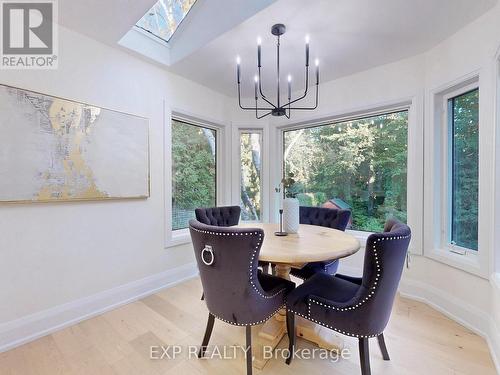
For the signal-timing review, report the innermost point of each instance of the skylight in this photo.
(164, 17)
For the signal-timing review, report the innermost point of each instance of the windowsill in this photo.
(360, 236)
(178, 237)
(468, 263)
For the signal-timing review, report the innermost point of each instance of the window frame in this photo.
(495, 237)
(262, 153)
(237, 129)
(436, 177)
(181, 236)
(414, 106)
(447, 160)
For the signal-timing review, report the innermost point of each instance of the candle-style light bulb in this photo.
(316, 62)
(238, 73)
(289, 87)
(307, 50)
(256, 80)
(259, 43)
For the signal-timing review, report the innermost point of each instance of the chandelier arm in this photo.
(309, 108)
(305, 91)
(259, 117)
(249, 108)
(261, 93)
(268, 102)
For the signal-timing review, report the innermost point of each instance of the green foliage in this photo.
(362, 162)
(311, 199)
(465, 171)
(250, 153)
(305, 199)
(193, 170)
(289, 186)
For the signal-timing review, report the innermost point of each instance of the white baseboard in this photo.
(493, 340)
(469, 316)
(31, 327)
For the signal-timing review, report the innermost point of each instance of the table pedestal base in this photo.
(267, 336)
(271, 332)
(323, 337)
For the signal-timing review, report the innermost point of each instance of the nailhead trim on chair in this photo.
(333, 328)
(254, 252)
(373, 288)
(251, 324)
(252, 257)
(251, 273)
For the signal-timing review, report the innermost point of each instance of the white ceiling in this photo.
(347, 36)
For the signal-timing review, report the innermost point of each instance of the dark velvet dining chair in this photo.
(358, 307)
(224, 216)
(236, 291)
(324, 217)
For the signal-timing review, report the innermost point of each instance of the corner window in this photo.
(194, 174)
(251, 175)
(463, 169)
(360, 165)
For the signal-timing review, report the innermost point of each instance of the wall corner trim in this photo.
(28, 328)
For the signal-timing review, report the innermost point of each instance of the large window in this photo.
(250, 175)
(194, 152)
(463, 170)
(359, 165)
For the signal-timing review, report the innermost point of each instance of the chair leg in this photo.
(383, 348)
(202, 296)
(364, 355)
(208, 333)
(249, 349)
(290, 327)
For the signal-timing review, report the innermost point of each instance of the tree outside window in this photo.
(359, 165)
(194, 150)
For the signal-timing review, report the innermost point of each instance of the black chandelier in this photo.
(278, 109)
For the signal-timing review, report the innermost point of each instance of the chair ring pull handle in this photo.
(208, 249)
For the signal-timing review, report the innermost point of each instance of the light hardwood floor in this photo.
(419, 339)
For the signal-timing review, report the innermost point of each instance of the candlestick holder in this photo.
(281, 233)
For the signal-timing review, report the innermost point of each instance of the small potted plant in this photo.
(290, 203)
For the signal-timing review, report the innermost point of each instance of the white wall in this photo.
(52, 254)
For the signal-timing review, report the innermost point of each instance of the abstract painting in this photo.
(53, 149)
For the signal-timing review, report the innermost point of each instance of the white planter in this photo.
(291, 215)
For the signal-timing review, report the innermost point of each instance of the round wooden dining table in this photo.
(311, 244)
